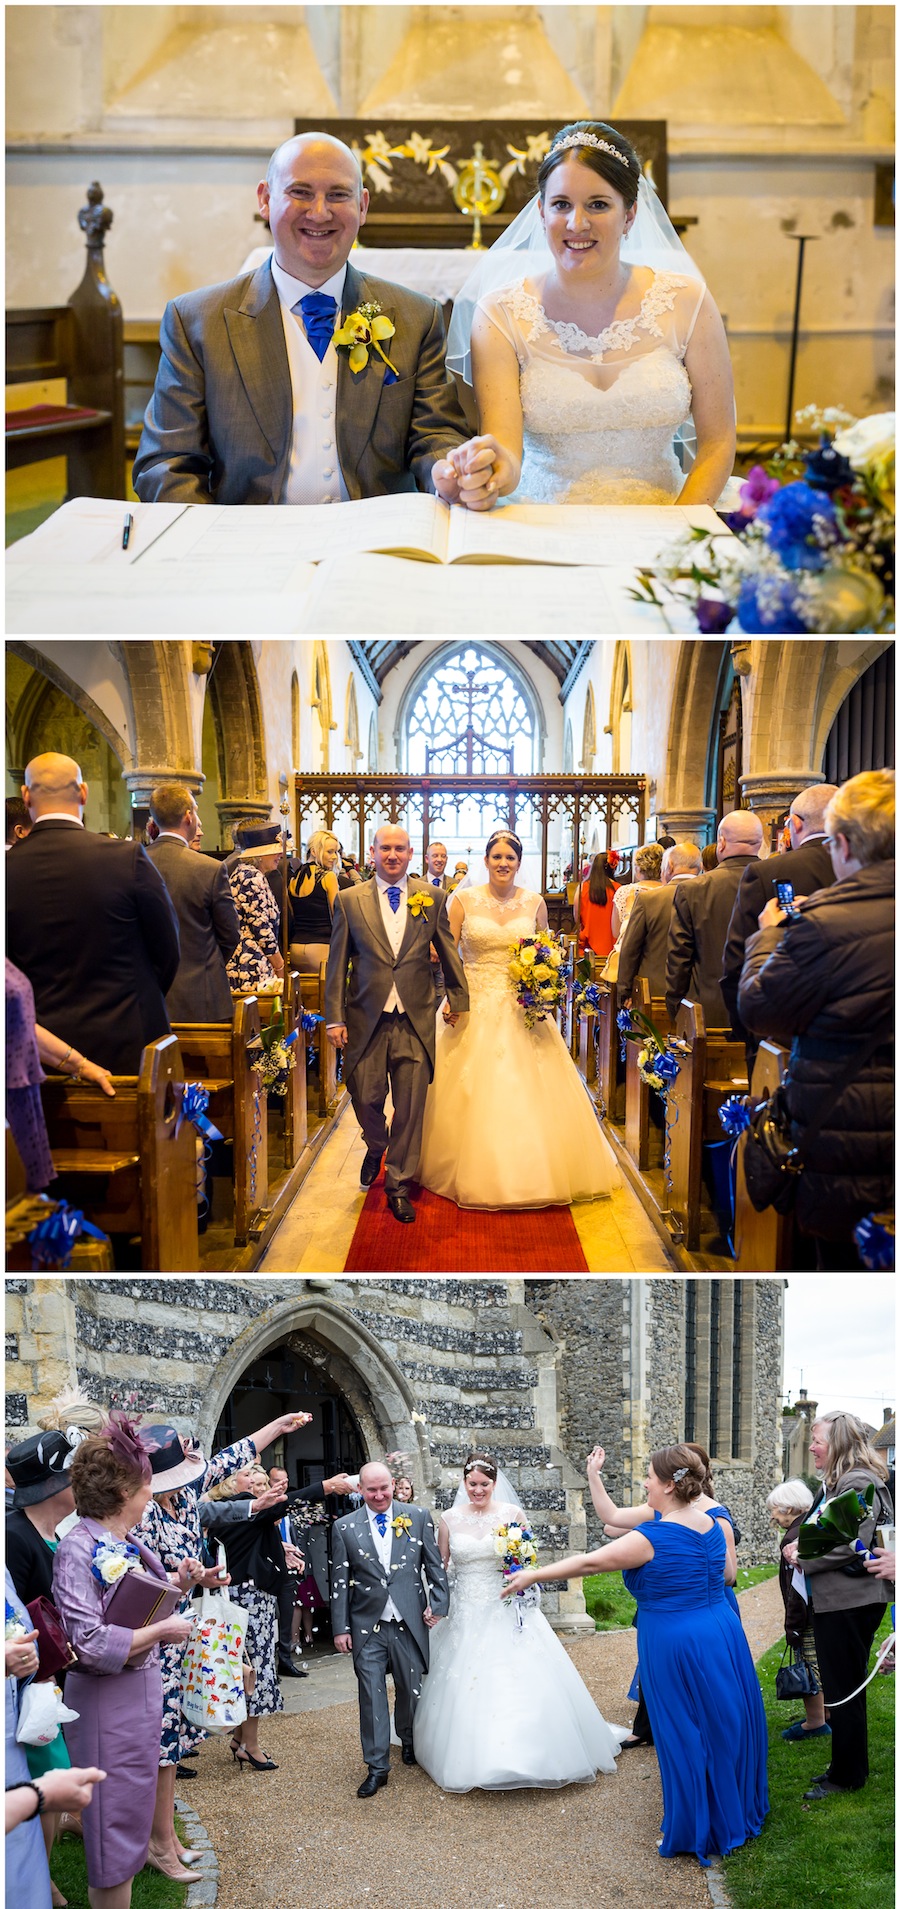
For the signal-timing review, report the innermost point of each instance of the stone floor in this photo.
(616, 1235)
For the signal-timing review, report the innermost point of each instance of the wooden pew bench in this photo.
(712, 1067)
(312, 994)
(293, 1103)
(126, 1163)
(638, 1096)
(763, 1242)
(223, 1059)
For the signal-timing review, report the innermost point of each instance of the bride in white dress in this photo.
(591, 341)
(503, 1707)
(508, 1120)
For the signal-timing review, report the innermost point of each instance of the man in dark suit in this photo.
(253, 404)
(807, 866)
(701, 913)
(646, 938)
(90, 922)
(204, 905)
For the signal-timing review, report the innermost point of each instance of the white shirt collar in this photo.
(171, 835)
(291, 290)
(401, 884)
(57, 815)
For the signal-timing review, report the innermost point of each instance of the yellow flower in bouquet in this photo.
(527, 957)
(542, 971)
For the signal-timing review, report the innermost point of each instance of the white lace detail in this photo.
(489, 928)
(476, 1571)
(621, 335)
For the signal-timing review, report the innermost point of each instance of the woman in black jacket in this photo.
(823, 983)
(257, 1562)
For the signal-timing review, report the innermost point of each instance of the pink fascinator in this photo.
(123, 1440)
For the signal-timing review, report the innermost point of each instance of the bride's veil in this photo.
(504, 1491)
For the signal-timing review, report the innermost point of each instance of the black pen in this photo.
(126, 533)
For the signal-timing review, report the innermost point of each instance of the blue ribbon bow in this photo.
(52, 1240)
(194, 1102)
(734, 1116)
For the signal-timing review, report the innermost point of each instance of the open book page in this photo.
(409, 524)
(385, 596)
(88, 530)
(574, 533)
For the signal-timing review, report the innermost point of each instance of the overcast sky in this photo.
(839, 1341)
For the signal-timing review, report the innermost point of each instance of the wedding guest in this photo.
(823, 983)
(257, 1561)
(807, 867)
(42, 1498)
(592, 909)
(257, 961)
(789, 1504)
(202, 899)
(91, 924)
(645, 877)
(27, 1045)
(203, 440)
(847, 1605)
(436, 863)
(312, 892)
(115, 1686)
(296, 1503)
(60, 1791)
(404, 1490)
(642, 949)
(703, 1698)
(709, 857)
(701, 913)
(27, 1875)
(18, 821)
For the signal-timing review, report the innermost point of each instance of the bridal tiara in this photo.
(588, 139)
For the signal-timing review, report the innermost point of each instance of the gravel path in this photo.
(300, 1838)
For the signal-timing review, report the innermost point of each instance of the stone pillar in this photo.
(40, 1324)
(770, 796)
(571, 1615)
(697, 824)
(233, 811)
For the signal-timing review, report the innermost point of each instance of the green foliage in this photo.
(836, 1852)
(150, 1890)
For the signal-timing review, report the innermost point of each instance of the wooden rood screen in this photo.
(355, 806)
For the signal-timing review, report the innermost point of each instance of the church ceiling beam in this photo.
(564, 659)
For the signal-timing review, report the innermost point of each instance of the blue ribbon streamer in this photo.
(194, 1102)
(52, 1240)
(308, 1022)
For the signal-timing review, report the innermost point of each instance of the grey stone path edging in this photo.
(202, 1894)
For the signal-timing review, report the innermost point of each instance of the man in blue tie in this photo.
(254, 404)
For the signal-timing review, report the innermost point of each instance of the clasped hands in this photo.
(475, 474)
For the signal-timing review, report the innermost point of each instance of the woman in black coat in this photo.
(823, 983)
(257, 1562)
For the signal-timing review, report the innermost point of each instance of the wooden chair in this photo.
(81, 342)
(312, 992)
(637, 1093)
(225, 1060)
(130, 1164)
(763, 1242)
(711, 1067)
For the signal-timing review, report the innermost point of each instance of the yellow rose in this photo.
(541, 971)
(516, 970)
(527, 957)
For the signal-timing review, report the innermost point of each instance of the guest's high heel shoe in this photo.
(169, 1866)
(239, 1755)
(258, 1763)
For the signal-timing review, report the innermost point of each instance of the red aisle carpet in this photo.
(449, 1239)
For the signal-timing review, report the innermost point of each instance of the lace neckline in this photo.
(483, 894)
(620, 335)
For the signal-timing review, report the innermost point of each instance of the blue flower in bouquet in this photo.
(768, 603)
(795, 519)
(713, 616)
(827, 470)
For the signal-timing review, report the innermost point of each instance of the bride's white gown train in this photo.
(503, 1707)
(508, 1121)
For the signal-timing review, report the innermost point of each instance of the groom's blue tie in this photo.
(318, 317)
(381, 1521)
(393, 895)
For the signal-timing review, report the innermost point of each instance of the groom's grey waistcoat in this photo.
(218, 427)
(361, 1588)
(358, 935)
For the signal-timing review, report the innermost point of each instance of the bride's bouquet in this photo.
(515, 1546)
(538, 975)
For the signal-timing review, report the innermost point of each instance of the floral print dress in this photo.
(258, 919)
(175, 1535)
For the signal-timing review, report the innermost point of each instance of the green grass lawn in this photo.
(150, 1891)
(840, 1852)
(612, 1608)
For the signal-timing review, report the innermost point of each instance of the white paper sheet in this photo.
(304, 533)
(88, 530)
(371, 595)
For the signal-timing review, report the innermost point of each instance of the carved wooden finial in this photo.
(95, 218)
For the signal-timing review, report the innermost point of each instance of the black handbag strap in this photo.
(854, 1066)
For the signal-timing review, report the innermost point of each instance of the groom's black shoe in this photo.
(370, 1169)
(408, 1753)
(402, 1208)
(375, 1780)
(287, 1668)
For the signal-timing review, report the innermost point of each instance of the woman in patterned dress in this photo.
(171, 1527)
(257, 960)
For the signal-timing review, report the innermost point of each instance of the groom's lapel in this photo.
(370, 908)
(413, 922)
(358, 392)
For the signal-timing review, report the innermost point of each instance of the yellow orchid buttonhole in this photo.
(417, 903)
(362, 328)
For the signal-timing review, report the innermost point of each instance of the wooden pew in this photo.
(711, 1068)
(763, 1242)
(126, 1163)
(312, 992)
(293, 1102)
(222, 1059)
(610, 1076)
(637, 1094)
(81, 342)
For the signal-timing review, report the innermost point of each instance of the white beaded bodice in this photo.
(476, 1572)
(600, 413)
(489, 928)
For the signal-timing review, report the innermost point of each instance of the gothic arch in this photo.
(694, 709)
(295, 721)
(236, 705)
(568, 750)
(621, 705)
(351, 738)
(498, 655)
(373, 743)
(837, 681)
(589, 733)
(386, 1421)
(46, 670)
(321, 703)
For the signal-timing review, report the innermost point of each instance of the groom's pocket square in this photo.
(390, 377)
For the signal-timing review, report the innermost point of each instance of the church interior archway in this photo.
(297, 1373)
(42, 715)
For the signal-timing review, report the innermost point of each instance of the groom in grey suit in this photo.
(254, 405)
(387, 1024)
(380, 1611)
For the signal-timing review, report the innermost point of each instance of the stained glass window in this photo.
(469, 714)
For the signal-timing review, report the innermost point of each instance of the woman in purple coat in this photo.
(116, 1687)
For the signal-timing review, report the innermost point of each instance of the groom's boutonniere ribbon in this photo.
(364, 327)
(417, 903)
(400, 1525)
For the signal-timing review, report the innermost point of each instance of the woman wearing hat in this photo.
(171, 1527)
(42, 1498)
(257, 960)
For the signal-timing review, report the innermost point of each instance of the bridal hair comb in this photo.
(681, 1473)
(588, 139)
(476, 1464)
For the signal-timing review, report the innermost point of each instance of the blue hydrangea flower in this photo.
(764, 606)
(789, 521)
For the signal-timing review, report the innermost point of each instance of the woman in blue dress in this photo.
(696, 1671)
